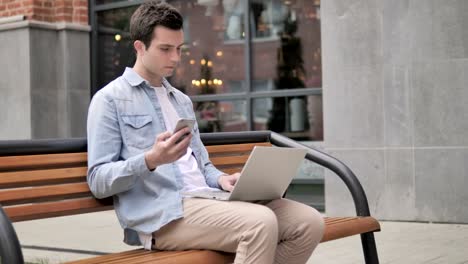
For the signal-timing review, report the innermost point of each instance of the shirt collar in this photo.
(135, 80)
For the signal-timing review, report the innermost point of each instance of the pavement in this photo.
(60, 239)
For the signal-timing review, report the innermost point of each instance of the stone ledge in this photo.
(18, 22)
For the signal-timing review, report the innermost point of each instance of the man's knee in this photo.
(312, 221)
(264, 220)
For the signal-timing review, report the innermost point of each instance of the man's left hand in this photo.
(227, 182)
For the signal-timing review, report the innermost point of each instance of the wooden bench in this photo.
(47, 178)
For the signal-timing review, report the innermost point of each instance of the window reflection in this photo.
(287, 55)
(233, 20)
(210, 65)
(299, 117)
(216, 116)
(286, 44)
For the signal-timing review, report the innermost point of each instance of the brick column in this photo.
(70, 11)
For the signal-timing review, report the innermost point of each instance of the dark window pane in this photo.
(115, 49)
(286, 43)
(100, 2)
(297, 117)
(217, 116)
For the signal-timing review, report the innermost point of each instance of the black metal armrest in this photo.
(10, 249)
(338, 167)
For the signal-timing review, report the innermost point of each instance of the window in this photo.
(264, 76)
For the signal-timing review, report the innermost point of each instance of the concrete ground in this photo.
(61, 239)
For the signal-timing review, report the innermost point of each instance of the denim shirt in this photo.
(124, 119)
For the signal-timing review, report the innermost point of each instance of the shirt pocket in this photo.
(138, 130)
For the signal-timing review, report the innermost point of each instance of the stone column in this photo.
(45, 76)
(395, 105)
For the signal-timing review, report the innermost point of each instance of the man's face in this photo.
(163, 54)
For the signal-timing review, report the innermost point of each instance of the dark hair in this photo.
(152, 14)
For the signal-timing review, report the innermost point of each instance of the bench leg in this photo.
(369, 248)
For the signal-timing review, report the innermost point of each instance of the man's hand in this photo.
(168, 148)
(227, 182)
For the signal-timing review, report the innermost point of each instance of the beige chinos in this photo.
(278, 231)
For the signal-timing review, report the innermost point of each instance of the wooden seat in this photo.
(161, 257)
(50, 185)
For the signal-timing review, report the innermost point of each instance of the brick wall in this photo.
(71, 11)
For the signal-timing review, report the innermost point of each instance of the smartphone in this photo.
(181, 123)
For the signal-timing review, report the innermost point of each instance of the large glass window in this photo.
(264, 76)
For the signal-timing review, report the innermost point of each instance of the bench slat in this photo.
(43, 193)
(113, 257)
(41, 177)
(53, 209)
(231, 170)
(230, 160)
(46, 160)
(162, 257)
(344, 227)
(220, 149)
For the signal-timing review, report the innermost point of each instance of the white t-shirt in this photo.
(193, 178)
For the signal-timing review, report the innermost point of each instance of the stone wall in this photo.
(395, 105)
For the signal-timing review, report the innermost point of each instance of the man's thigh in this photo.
(291, 215)
(211, 224)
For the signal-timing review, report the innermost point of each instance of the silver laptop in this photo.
(265, 176)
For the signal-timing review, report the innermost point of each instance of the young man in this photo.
(146, 176)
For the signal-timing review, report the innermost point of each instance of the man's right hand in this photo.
(168, 148)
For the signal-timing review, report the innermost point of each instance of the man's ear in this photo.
(139, 46)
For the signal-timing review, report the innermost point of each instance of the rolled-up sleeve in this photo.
(108, 174)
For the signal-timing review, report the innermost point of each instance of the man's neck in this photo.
(154, 80)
